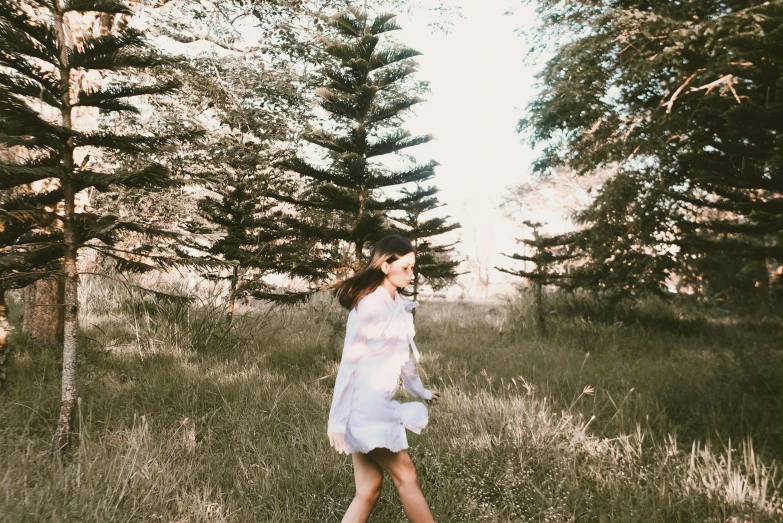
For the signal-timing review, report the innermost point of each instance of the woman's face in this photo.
(400, 271)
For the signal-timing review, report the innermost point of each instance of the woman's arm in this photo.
(412, 382)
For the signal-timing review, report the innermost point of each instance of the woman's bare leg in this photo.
(369, 477)
(400, 467)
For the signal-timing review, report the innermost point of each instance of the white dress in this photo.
(378, 337)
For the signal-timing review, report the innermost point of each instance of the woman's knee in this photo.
(369, 491)
(398, 465)
(405, 475)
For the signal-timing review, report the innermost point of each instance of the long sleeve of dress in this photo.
(412, 382)
(364, 324)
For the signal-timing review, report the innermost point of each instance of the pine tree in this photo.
(21, 266)
(253, 237)
(246, 233)
(435, 264)
(41, 59)
(367, 93)
(549, 254)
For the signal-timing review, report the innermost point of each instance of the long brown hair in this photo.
(387, 249)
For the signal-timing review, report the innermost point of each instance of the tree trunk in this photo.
(359, 241)
(62, 436)
(43, 311)
(415, 292)
(231, 297)
(4, 327)
(71, 33)
(541, 319)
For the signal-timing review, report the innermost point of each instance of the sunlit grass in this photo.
(661, 413)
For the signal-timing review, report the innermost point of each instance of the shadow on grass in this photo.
(241, 425)
(705, 379)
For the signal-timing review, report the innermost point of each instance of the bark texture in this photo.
(43, 311)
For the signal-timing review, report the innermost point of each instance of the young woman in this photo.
(364, 419)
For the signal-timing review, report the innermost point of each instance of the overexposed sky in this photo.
(480, 86)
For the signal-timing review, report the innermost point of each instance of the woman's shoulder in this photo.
(371, 303)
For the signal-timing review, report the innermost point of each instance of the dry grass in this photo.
(184, 418)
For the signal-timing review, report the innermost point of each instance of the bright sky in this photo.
(480, 87)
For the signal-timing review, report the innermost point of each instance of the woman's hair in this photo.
(388, 249)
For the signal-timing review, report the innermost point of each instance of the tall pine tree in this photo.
(435, 264)
(548, 258)
(41, 61)
(367, 93)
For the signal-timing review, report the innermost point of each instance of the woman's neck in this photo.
(390, 288)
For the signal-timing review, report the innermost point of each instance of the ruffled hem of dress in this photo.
(393, 438)
(392, 448)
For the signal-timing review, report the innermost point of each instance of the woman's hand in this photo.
(337, 441)
(435, 398)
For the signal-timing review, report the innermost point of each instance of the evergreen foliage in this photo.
(253, 237)
(367, 93)
(255, 117)
(548, 258)
(623, 237)
(435, 264)
(684, 101)
(41, 57)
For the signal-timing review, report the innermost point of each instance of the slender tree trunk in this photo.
(774, 267)
(231, 296)
(360, 241)
(415, 292)
(65, 422)
(43, 311)
(358, 251)
(62, 436)
(541, 318)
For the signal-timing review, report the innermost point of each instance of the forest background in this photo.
(181, 181)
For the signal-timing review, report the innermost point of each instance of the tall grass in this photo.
(664, 412)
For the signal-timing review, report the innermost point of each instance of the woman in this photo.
(364, 419)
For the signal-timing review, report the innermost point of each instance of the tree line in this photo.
(270, 206)
(675, 107)
(679, 107)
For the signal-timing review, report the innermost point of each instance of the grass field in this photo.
(660, 413)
